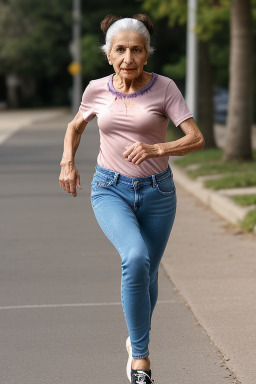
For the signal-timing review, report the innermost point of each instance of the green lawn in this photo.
(209, 161)
(249, 221)
(244, 200)
(235, 180)
(210, 157)
(219, 167)
(234, 174)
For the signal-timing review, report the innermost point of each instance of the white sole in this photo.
(129, 362)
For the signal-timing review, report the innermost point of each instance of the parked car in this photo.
(220, 101)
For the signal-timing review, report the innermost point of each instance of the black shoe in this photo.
(140, 376)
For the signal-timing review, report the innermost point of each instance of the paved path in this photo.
(213, 266)
(12, 121)
(60, 311)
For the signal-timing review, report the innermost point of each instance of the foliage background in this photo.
(35, 38)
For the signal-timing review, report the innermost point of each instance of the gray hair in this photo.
(127, 24)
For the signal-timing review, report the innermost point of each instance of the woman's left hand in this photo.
(138, 152)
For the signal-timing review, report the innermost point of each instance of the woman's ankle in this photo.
(143, 363)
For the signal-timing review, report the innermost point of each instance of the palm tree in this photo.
(238, 141)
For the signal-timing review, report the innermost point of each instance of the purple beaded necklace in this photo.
(135, 94)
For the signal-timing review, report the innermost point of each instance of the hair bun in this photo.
(107, 22)
(145, 19)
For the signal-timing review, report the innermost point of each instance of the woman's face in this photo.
(128, 54)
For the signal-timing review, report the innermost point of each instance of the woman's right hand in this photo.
(69, 178)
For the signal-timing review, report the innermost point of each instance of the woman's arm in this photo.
(192, 141)
(72, 138)
(69, 177)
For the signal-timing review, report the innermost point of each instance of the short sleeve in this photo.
(175, 106)
(87, 104)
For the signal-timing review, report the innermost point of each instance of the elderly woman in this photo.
(133, 194)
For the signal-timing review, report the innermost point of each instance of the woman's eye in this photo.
(119, 49)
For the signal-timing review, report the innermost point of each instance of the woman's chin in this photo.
(130, 72)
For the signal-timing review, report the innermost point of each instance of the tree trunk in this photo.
(238, 144)
(27, 87)
(205, 96)
(12, 83)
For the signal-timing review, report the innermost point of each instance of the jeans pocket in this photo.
(101, 180)
(166, 186)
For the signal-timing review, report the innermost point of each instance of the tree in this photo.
(238, 141)
(33, 44)
(34, 47)
(212, 15)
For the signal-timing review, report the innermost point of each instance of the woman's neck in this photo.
(124, 85)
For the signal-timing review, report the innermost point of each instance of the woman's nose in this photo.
(127, 57)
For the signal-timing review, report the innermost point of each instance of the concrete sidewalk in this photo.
(60, 309)
(13, 120)
(213, 267)
(218, 201)
(216, 274)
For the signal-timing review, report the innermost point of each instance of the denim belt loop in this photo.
(169, 168)
(154, 181)
(116, 176)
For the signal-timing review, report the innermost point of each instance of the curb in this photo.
(214, 273)
(217, 202)
(13, 121)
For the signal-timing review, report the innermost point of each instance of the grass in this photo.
(235, 174)
(238, 180)
(244, 200)
(214, 167)
(249, 221)
(210, 157)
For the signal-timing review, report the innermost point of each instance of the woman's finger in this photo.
(61, 180)
(129, 150)
(136, 157)
(67, 188)
(140, 158)
(70, 181)
(133, 154)
(73, 189)
(78, 181)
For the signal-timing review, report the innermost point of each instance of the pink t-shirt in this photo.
(124, 119)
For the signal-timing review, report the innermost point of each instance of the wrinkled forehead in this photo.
(128, 38)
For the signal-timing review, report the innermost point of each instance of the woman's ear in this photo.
(146, 59)
(109, 60)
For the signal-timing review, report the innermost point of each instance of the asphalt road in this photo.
(60, 310)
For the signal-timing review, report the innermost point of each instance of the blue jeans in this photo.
(136, 214)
